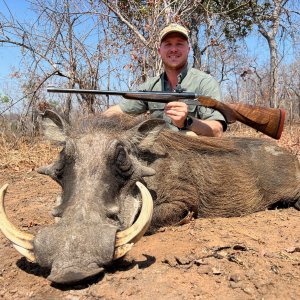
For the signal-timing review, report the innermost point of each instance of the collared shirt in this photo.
(190, 80)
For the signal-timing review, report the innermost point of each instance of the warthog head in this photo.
(105, 207)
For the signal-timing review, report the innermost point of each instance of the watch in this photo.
(188, 122)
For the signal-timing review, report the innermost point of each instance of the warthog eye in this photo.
(123, 162)
(59, 172)
(60, 166)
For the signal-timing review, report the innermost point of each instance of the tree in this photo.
(273, 18)
(58, 47)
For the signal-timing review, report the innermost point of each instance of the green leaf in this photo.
(4, 99)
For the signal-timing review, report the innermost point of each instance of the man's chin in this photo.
(174, 65)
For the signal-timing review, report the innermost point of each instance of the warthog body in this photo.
(103, 158)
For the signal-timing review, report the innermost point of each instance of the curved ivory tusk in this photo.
(16, 236)
(25, 252)
(122, 250)
(138, 229)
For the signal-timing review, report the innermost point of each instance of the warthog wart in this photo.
(110, 168)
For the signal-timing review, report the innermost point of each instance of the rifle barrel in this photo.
(152, 96)
(82, 91)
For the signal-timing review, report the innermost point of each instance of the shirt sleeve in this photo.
(135, 106)
(209, 86)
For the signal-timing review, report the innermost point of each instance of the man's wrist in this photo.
(187, 123)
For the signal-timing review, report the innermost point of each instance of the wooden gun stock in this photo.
(269, 121)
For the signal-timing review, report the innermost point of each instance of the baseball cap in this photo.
(173, 27)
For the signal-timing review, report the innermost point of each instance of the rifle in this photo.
(269, 121)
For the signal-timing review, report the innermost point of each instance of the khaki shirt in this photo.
(190, 80)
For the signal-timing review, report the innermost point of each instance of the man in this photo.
(173, 50)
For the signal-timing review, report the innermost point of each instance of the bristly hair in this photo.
(166, 140)
(116, 123)
(198, 144)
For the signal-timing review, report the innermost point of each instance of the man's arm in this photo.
(206, 127)
(177, 111)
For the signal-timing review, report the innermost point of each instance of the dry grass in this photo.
(19, 153)
(291, 139)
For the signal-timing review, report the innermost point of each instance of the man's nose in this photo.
(174, 48)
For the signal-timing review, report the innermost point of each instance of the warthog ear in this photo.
(54, 126)
(146, 133)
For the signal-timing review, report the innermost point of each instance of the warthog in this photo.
(110, 168)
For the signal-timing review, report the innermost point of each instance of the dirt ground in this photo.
(251, 257)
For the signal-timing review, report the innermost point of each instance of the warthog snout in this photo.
(75, 251)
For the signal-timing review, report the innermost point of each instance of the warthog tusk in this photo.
(138, 229)
(22, 241)
(25, 252)
(122, 250)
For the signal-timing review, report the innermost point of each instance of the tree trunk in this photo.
(194, 44)
(274, 80)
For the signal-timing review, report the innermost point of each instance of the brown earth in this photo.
(251, 257)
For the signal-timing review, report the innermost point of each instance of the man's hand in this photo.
(178, 112)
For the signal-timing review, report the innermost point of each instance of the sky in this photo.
(10, 57)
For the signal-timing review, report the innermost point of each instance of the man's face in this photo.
(174, 51)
